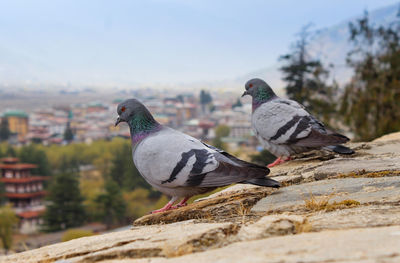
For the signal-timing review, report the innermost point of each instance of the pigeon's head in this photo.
(258, 89)
(130, 108)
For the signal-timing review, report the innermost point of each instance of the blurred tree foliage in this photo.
(68, 134)
(205, 99)
(111, 204)
(370, 103)
(220, 132)
(139, 202)
(238, 103)
(3, 198)
(307, 80)
(10, 152)
(35, 155)
(8, 220)
(124, 172)
(4, 130)
(263, 158)
(64, 208)
(91, 185)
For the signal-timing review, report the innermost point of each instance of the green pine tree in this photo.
(3, 198)
(68, 133)
(205, 99)
(64, 209)
(238, 103)
(69, 164)
(4, 130)
(370, 103)
(10, 152)
(112, 204)
(306, 79)
(32, 154)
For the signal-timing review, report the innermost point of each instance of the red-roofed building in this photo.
(24, 191)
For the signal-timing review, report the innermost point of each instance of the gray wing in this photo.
(225, 174)
(318, 136)
(280, 121)
(287, 122)
(232, 170)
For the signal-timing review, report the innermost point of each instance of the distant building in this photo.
(96, 107)
(17, 123)
(24, 191)
(240, 130)
(184, 112)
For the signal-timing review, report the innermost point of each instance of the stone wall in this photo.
(331, 208)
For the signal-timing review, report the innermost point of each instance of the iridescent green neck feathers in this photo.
(141, 125)
(261, 95)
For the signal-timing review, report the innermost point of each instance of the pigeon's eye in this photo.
(123, 109)
(250, 85)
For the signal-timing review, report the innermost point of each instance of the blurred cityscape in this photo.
(197, 114)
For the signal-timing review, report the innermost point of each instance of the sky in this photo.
(155, 41)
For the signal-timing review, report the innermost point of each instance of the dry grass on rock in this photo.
(321, 203)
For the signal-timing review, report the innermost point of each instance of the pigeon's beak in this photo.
(245, 93)
(118, 121)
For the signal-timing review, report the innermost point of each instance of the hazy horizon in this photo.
(158, 42)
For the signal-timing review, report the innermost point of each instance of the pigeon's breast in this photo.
(168, 157)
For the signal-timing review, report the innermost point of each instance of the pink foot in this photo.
(167, 207)
(278, 161)
(181, 203)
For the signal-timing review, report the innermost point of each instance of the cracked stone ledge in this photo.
(150, 241)
(303, 221)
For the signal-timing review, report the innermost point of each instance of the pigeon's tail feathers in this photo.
(339, 149)
(340, 137)
(266, 181)
(318, 139)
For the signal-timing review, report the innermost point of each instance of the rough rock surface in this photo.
(331, 208)
(353, 245)
(157, 240)
(362, 190)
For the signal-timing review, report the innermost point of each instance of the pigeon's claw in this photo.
(167, 207)
(181, 203)
(278, 161)
(178, 206)
(161, 210)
